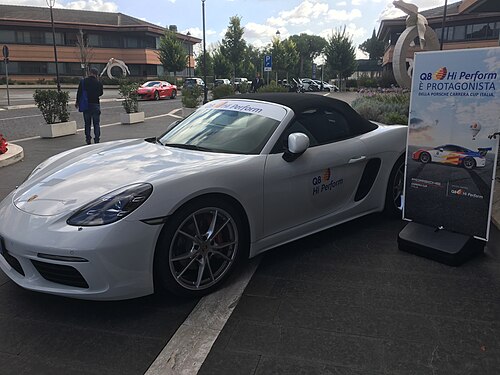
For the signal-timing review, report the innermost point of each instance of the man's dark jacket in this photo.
(93, 87)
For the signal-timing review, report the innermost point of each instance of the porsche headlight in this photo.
(112, 206)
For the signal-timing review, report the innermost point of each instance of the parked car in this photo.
(327, 86)
(238, 177)
(453, 155)
(156, 90)
(221, 81)
(309, 84)
(193, 82)
(238, 81)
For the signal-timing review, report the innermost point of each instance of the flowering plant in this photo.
(3, 145)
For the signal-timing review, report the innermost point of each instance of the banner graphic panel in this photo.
(451, 154)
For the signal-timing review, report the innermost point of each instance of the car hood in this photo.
(87, 173)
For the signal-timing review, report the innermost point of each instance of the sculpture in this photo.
(111, 64)
(413, 19)
(416, 26)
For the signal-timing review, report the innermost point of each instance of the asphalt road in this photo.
(24, 122)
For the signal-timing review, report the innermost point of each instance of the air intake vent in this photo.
(368, 178)
(14, 263)
(60, 274)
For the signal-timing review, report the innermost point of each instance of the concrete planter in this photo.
(14, 154)
(187, 111)
(131, 118)
(58, 130)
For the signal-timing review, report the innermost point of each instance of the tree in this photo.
(341, 54)
(373, 47)
(221, 65)
(85, 52)
(309, 47)
(233, 44)
(253, 60)
(171, 52)
(198, 71)
(285, 55)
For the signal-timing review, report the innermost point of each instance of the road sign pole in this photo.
(7, 78)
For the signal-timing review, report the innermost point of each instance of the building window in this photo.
(458, 32)
(7, 36)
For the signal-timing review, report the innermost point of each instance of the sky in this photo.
(261, 19)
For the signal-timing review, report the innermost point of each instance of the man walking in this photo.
(256, 83)
(91, 114)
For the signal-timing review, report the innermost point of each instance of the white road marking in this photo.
(171, 113)
(189, 346)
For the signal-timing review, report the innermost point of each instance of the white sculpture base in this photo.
(14, 154)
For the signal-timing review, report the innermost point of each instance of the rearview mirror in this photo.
(297, 145)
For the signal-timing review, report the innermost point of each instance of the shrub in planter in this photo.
(222, 91)
(272, 87)
(128, 91)
(244, 87)
(385, 108)
(191, 97)
(53, 104)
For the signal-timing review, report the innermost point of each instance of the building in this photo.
(469, 24)
(80, 35)
(367, 69)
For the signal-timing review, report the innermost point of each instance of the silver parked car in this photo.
(238, 177)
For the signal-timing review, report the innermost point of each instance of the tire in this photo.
(425, 158)
(157, 95)
(469, 163)
(394, 192)
(190, 259)
(173, 95)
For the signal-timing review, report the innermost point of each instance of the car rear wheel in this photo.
(395, 186)
(425, 157)
(173, 95)
(199, 247)
(469, 163)
(157, 95)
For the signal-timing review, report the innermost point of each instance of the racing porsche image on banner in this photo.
(451, 150)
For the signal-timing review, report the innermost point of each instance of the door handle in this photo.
(356, 160)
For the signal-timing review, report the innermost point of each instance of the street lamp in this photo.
(51, 3)
(444, 20)
(278, 34)
(189, 54)
(205, 91)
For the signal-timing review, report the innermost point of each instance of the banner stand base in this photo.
(442, 246)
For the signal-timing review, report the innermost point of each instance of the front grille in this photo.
(60, 274)
(13, 262)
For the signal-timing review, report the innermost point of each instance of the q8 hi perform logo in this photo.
(457, 83)
(325, 182)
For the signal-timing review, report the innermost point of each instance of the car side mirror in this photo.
(297, 145)
(441, 150)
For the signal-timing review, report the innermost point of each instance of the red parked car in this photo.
(157, 90)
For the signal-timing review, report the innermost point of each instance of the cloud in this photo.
(95, 5)
(342, 15)
(342, 4)
(197, 32)
(258, 31)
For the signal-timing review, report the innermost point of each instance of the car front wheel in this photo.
(199, 247)
(173, 95)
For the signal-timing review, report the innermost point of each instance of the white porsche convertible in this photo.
(239, 176)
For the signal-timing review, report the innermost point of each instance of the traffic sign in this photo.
(5, 51)
(268, 63)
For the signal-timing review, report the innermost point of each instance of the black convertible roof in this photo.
(302, 102)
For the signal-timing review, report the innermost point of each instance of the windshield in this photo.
(150, 84)
(225, 130)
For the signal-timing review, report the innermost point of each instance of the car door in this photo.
(320, 182)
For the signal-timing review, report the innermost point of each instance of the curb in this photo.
(14, 154)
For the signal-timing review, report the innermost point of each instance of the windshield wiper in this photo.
(188, 147)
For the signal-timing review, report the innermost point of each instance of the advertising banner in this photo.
(451, 152)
